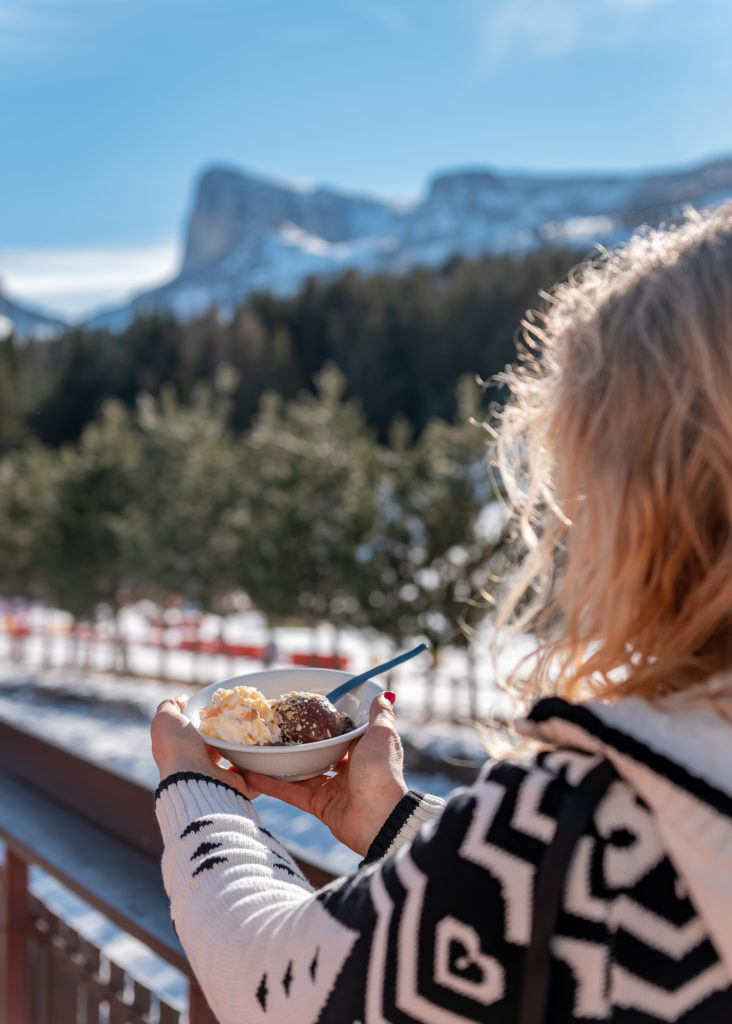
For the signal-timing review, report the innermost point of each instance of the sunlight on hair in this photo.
(615, 452)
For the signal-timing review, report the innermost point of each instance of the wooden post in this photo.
(15, 948)
(199, 1011)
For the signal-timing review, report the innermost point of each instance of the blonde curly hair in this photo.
(615, 451)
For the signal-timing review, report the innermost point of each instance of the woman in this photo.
(592, 881)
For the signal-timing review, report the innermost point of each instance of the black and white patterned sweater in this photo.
(435, 931)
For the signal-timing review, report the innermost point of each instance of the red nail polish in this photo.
(391, 697)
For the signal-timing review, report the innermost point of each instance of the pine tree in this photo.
(308, 469)
(427, 559)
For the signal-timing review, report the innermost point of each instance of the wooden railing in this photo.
(96, 833)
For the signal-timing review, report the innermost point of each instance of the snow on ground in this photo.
(449, 697)
(105, 718)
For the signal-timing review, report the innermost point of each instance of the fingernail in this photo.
(391, 697)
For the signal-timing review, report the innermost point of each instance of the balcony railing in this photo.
(96, 833)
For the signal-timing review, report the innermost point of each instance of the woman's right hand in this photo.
(367, 785)
(177, 747)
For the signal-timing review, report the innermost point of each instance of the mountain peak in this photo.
(248, 233)
(233, 207)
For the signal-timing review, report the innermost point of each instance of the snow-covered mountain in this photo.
(248, 234)
(23, 322)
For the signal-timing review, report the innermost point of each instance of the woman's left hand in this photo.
(177, 747)
(355, 801)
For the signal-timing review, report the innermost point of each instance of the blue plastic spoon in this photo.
(355, 681)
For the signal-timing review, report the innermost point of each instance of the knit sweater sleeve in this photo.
(435, 931)
(414, 810)
(263, 944)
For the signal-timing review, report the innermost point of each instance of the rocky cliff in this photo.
(247, 233)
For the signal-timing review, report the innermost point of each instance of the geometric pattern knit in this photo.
(436, 932)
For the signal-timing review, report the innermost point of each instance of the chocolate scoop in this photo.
(309, 717)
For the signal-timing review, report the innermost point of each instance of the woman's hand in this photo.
(177, 747)
(368, 784)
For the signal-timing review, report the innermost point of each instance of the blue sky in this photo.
(109, 109)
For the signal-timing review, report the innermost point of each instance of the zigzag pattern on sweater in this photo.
(437, 933)
(453, 918)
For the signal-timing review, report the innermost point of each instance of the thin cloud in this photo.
(387, 15)
(41, 28)
(538, 30)
(545, 28)
(28, 28)
(37, 34)
(633, 5)
(75, 282)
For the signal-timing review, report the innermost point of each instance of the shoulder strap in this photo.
(549, 889)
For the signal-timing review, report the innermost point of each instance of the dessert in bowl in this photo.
(269, 733)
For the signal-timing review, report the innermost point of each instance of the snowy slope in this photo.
(247, 233)
(24, 323)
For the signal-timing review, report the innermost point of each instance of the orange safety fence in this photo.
(176, 637)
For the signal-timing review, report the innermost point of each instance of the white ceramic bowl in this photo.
(291, 761)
